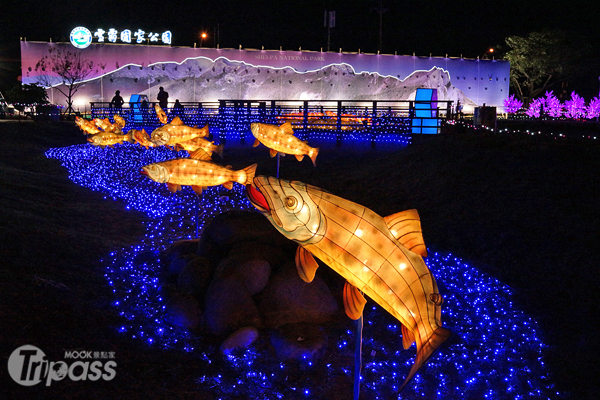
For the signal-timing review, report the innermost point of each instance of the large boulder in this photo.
(236, 226)
(168, 291)
(178, 263)
(180, 248)
(208, 248)
(195, 277)
(275, 255)
(184, 311)
(229, 306)
(299, 342)
(287, 299)
(252, 272)
(240, 339)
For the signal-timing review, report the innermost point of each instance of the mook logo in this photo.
(29, 366)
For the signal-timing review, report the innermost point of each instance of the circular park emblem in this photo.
(81, 37)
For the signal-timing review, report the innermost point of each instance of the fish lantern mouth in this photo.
(143, 172)
(257, 198)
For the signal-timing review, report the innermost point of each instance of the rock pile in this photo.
(239, 281)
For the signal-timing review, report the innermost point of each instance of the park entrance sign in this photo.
(82, 37)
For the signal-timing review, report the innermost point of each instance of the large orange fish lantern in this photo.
(201, 143)
(380, 257)
(119, 122)
(108, 126)
(100, 125)
(160, 114)
(104, 139)
(108, 139)
(198, 171)
(176, 132)
(109, 133)
(88, 127)
(141, 137)
(281, 139)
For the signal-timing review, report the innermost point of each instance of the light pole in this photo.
(202, 37)
(487, 53)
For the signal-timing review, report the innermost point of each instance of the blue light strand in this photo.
(232, 124)
(495, 350)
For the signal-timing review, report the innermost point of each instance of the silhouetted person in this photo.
(144, 110)
(117, 101)
(178, 108)
(163, 98)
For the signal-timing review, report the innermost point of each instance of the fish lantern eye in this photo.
(436, 298)
(290, 202)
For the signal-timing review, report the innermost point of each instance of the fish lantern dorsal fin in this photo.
(177, 121)
(306, 265)
(354, 301)
(408, 338)
(200, 154)
(173, 187)
(405, 226)
(228, 185)
(287, 128)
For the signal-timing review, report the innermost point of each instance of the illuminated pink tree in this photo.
(575, 108)
(535, 107)
(512, 104)
(593, 109)
(553, 106)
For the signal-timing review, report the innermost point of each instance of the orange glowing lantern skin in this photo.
(88, 127)
(380, 257)
(108, 139)
(108, 126)
(176, 132)
(141, 137)
(160, 114)
(281, 139)
(198, 172)
(201, 143)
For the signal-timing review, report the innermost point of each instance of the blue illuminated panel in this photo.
(425, 121)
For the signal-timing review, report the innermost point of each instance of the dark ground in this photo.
(523, 209)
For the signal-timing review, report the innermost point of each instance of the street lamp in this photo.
(202, 37)
(488, 53)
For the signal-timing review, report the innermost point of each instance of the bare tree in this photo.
(66, 67)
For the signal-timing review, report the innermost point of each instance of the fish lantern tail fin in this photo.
(313, 155)
(205, 131)
(250, 172)
(219, 149)
(432, 343)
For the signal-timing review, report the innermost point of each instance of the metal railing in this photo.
(232, 118)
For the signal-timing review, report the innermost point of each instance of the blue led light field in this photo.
(495, 351)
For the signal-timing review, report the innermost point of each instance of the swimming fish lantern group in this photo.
(102, 132)
(380, 257)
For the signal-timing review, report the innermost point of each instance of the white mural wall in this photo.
(200, 75)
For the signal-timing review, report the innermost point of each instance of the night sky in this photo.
(436, 27)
